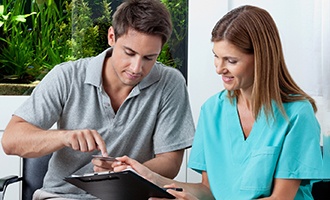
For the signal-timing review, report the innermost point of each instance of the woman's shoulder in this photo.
(299, 108)
(218, 98)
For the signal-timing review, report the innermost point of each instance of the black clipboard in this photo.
(123, 185)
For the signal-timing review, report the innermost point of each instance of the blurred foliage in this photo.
(175, 48)
(36, 35)
(16, 51)
(51, 33)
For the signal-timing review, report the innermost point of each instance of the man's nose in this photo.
(137, 64)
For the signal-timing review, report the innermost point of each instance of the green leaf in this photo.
(20, 18)
(5, 17)
(33, 13)
(2, 9)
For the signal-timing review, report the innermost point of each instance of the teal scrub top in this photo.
(239, 168)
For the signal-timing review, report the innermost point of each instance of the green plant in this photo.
(32, 44)
(173, 52)
(49, 34)
(101, 13)
(179, 11)
(166, 57)
(30, 49)
(89, 27)
(55, 33)
(16, 45)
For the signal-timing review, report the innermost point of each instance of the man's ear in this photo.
(111, 36)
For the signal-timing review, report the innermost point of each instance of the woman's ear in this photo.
(111, 36)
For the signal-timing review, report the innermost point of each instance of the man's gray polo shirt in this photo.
(155, 117)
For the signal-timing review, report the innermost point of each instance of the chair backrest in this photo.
(321, 190)
(34, 170)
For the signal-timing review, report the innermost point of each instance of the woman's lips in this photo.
(227, 79)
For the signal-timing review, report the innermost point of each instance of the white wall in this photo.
(10, 165)
(202, 79)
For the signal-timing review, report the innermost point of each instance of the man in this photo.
(121, 102)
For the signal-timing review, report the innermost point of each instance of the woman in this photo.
(258, 138)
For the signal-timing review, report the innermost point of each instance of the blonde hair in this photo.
(253, 30)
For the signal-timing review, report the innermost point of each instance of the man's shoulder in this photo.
(71, 65)
(167, 72)
(66, 73)
(162, 75)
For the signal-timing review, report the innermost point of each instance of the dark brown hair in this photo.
(145, 16)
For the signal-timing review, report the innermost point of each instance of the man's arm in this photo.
(26, 140)
(166, 164)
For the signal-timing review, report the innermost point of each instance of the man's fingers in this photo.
(100, 144)
(90, 141)
(86, 141)
(83, 143)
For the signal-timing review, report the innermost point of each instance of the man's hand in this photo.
(101, 164)
(85, 140)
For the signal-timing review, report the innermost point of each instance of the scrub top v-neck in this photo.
(240, 168)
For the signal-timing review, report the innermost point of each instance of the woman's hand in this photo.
(125, 162)
(180, 195)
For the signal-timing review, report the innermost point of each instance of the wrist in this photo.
(153, 177)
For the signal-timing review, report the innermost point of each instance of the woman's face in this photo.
(236, 67)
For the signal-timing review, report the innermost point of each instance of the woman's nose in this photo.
(219, 66)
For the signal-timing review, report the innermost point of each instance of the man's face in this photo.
(133, 56)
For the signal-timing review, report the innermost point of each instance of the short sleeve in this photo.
(301, 155)
(197, 156)
(174, 127)
(44, 106)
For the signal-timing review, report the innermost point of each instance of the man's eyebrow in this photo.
(150, 55)
(127, 48)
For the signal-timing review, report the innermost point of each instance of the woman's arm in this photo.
(190, 190)
(166, 164)
(284, 189)
(193, 191)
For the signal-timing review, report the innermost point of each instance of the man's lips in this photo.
(132, 76)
